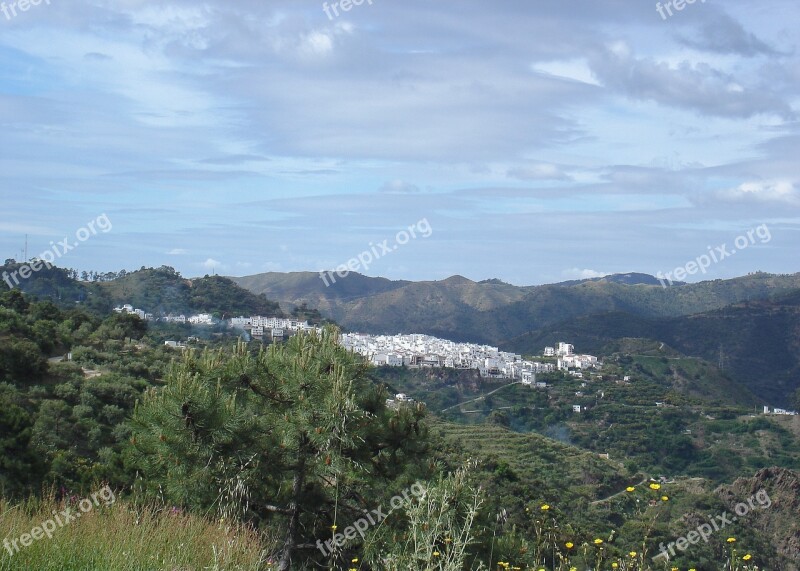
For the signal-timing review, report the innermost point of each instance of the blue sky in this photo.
(542, 140)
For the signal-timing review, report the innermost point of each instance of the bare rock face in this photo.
(775, 510)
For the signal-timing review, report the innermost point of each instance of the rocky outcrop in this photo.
(775, 510)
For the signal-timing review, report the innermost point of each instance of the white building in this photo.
(564, 349)
(140, 313)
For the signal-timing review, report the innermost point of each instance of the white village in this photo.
(415, 350)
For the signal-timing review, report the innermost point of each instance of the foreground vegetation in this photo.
(239, 456)
(127, 537)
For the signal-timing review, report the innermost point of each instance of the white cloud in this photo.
(317, 43)
(763, 191)
(211, 264)
(566, 134)
(572, 70)
(579, 274)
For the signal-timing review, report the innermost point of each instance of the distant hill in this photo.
(163, 290)
(753, 318)
(758, 341)
(493, 311)
(383, 306)
(59, 285)
(156, 290)
(624, 279)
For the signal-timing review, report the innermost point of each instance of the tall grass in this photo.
(124, 537)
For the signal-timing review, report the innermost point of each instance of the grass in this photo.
(124, 537)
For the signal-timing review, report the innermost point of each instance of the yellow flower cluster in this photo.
(629, 561)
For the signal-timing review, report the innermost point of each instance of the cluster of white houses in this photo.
(779, 411)
(426, 351)
(567, 359)
(258, 326)
(197, 319)
(128, 308)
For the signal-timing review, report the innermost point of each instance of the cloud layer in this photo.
(537, 138)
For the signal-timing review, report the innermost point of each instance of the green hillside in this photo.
(493, 311)
(758, 341)
(155, 290)
(209, 445)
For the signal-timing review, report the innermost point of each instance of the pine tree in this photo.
(294, 435)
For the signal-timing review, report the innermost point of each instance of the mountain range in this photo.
(749, 326)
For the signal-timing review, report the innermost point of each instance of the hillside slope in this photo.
(758, 341)
(492, 311)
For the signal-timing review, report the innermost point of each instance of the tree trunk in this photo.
(290, 543)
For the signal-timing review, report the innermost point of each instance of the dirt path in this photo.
(481, 397)
(612, 496)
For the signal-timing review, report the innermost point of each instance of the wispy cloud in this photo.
(536, 137)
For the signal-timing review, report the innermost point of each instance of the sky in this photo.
(530, 141)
